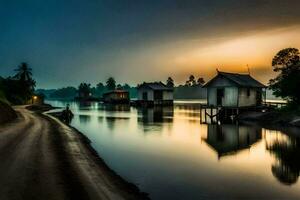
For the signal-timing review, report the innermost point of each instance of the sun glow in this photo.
(236, 54)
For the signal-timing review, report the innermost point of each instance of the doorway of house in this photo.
(258, 97)
(158, 95)
(145, 96)
(220, 95)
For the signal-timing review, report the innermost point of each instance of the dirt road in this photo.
(41, 158)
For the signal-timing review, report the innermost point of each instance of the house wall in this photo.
(229, 99)
(167, 95)
(244, 99)
(150, 94)
(212, 96)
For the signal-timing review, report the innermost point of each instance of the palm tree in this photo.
(24, 72)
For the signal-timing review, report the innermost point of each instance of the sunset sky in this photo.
(68, 42)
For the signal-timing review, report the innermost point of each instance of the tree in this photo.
(100, 86)
(24, 75)
(285, 58)
(20, 88)
(170, 82)
(84, 90)
(126, 87)
(286, 84)
(66, 93)
(111, 83)
(100, 89)
(200, 81)
(119, 86)
(191, 81)
(24, 72)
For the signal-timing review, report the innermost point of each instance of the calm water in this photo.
(170, 155)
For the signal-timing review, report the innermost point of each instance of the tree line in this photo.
(19, 88)
(86, 90)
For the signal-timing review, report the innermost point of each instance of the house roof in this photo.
(116, 91)
(155, 86)
(241, 80)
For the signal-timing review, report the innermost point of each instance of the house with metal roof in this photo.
(116, 97)
(234, 90)
(155, 93)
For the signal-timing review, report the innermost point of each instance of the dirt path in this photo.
(41, 158)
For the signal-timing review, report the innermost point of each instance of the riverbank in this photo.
(272, 118)
(129, 190)
(42, 158)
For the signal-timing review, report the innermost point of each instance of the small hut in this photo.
(228, 94)
(155, 93)
(116, 96)
(234, 90)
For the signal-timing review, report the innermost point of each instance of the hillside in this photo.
(6, 112)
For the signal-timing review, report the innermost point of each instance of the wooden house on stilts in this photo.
(230, 93)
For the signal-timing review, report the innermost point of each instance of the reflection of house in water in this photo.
(117, 107)
(156, 114)
(228, 139)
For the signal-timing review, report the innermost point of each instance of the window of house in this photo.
(248, 92)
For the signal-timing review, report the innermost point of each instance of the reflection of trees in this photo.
(117, 107)
(84, 119)
(287, 167)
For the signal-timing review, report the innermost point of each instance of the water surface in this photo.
(167, 153)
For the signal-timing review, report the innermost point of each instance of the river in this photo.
(167, 153)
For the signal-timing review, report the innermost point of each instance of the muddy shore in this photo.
(42, 158)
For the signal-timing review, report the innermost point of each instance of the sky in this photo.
(68, 42)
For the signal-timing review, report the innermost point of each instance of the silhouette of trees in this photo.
(119, 87)
(170, 82)
(286, 84)
(285, 58)
(24, 72)
(192, 81)
(84, 90)
(19, 88)
(111, 83)
(64, 93)
(200, 81)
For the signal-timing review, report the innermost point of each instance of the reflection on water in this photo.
(228, 139)
(286, 150)
(170, 155)
(84, 118)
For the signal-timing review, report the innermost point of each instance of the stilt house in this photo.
(234, 91)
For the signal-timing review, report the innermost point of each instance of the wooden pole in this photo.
(200, 114)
